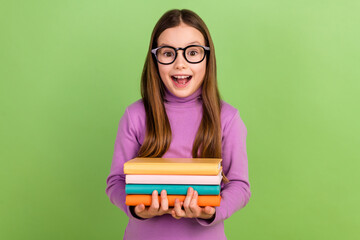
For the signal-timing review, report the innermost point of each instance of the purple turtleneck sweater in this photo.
(185, 116)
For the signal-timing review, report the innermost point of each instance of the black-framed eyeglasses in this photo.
(192, 53)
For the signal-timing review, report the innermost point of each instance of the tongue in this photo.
(182, 81)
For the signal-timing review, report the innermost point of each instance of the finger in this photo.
(164, 206)
(187, 202)
(173, 214)
(195, 209)
(154, 207)
(209, 210)
(139, 208)
(177, 208)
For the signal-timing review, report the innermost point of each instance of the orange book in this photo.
(173, 166)
(203, 200)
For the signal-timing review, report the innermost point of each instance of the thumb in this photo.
(139, 208)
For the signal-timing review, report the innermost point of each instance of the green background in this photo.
(68, 69)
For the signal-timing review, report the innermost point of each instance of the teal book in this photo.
(171, 189)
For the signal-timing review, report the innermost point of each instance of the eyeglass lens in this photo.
(192, 54)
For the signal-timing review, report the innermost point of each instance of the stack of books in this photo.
(175, 175)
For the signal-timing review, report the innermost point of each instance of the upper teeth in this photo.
(181, 77)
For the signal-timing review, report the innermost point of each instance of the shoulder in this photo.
(136, 108)
(229, 116)
(135, 113)
(228, 112)
(133, 121)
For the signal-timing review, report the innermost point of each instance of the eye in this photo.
(168, 54)
(193, 53)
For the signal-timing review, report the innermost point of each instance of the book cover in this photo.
(173, 166)
(133, 200)
(171, 189)
(174, 179)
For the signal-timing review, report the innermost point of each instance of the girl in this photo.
(181, 115)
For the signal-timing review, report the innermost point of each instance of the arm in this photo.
(235, 194)
(126, 148)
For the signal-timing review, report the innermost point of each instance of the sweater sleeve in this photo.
(126, 148)
(235, 194)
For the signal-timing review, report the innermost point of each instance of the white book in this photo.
(174, 179)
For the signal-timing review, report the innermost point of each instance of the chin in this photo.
(182, 93)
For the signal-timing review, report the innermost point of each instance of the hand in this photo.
(191, 208)
(155, 209)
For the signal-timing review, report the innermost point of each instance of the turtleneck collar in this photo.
(192, 100)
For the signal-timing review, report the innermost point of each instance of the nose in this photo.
(180, 62)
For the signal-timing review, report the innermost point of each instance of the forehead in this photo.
(181, 36)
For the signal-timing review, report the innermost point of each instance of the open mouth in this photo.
(181, 80)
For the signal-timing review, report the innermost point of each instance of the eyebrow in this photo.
(164, 44)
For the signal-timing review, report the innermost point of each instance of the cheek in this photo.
(200, 71)
(163, 71)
